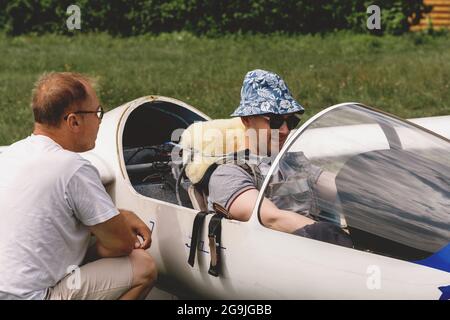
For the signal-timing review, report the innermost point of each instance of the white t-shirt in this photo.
(48, 197)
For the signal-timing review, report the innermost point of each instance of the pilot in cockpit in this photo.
(268, 113)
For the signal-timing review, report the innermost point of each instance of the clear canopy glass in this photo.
(383, 180)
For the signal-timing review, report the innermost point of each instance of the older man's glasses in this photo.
(276, 121)
(100, 112)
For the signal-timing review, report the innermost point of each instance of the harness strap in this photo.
(196, 230)
(237, 158)
(215, 237)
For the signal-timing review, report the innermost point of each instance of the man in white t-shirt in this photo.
(51, 200)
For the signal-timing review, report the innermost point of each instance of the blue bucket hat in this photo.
(265, 92)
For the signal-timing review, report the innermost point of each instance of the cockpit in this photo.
(149, 137)
(391, 180)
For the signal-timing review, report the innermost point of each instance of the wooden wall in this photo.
(439, 16)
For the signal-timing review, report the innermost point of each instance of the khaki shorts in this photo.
(104, 279)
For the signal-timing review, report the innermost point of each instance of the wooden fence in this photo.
(439, 17)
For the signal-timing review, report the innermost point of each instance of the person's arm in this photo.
(241, 209)
(105, 248)
(116, 231)
(114, 237)
(139, 229)
(322, 180)
(326, 187)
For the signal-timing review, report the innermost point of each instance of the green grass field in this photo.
(408, 76)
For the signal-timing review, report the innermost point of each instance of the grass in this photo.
(408, 75)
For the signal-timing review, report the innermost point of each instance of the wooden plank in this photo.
(439, 15)
(436, 2)
(433, 20)
(436, 23)
(441, 10)
(425, 27)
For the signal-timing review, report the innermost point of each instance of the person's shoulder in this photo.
(70, 166)
(64, 160)
(86, 168)
(47, 148)
(229, 172)
(227, 181)
(229, 168)
(71, 159)
(18, 146)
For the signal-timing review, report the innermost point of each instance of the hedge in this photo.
(206, 17)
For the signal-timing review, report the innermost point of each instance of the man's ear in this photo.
(73, 123)
(246, 121)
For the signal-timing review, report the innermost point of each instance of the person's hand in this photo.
(139, 228)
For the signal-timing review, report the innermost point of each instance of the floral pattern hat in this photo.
(265, 92)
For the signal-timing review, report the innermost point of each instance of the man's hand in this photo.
(139, 229)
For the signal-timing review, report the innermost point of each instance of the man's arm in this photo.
(117, 233)
(326, 187)
(272, 217)
(233, 188)
(138, 228)
(93, 207)
(114, 237)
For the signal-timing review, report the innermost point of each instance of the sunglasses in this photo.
(100, 112)
(276, 121)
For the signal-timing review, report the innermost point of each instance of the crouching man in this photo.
(51, 200)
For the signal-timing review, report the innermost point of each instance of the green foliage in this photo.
(2, 14)
(124, 18)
